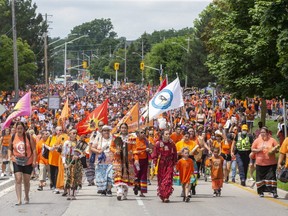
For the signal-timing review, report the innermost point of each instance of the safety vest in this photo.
(243, 144)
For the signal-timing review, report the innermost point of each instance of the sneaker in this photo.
(103, 193)
(261, 195)
(119, 198)
(56, 191)
(251, 179)
(275, 195)
(233, 180)
(99, 192)
(214, 194)
(109, 193)
(187, 199)
(40, 188)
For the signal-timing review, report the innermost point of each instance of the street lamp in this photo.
(187, 50)
(65, 55)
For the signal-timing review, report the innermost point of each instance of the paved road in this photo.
(235, 200)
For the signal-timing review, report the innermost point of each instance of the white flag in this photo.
(167, 99)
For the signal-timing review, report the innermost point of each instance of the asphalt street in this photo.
(235, 200)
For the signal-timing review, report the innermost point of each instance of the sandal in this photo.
(18, 204)
(26, 201)
(68, 198)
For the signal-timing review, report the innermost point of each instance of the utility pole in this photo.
(15, 53)
(46, 59)
(125, 65)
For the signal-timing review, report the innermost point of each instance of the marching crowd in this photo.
(209, 137)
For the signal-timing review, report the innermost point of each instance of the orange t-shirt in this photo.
(19, 149)
(216, 165)
(186, 169)
(40, 158)
(284, 150)
(6, 140)
(263, 158)
(140, 148)
(176, 137)
(225, 147)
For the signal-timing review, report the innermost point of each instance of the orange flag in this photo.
(90, 123)
(131, 118)
(65, 111)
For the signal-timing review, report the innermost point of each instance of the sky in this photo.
(129, 18)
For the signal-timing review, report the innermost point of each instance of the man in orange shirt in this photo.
(141, 163)
(176, 136)
(43, 162)
(250, 116)
(283, 151)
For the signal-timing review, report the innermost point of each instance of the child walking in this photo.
(185, 167)
(216, 164)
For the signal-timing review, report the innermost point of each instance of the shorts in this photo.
(43, 169)
(5, 150)
(24, 169)
(226, 157)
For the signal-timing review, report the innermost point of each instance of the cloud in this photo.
(129, 18)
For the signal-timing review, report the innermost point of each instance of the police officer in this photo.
(241, 148)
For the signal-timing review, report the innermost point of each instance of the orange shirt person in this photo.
(216, 164)
(176, 136)
(186, 169)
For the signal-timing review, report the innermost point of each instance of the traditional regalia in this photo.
(122, 148)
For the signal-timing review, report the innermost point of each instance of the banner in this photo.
(131, 118)
(167, 99)
(22, 108)
(90, 123)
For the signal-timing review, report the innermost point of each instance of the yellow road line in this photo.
(254, 192)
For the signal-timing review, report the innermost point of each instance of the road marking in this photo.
(7, 190)
(6, 182)
(139, 201)
(268, 198)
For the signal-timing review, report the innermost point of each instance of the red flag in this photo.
(90, 123)
(162, 85)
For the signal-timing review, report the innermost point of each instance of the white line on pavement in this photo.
(6, 191)
(139, 201)
(6, 182)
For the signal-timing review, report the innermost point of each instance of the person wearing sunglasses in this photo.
(142, 152)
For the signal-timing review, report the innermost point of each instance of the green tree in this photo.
(30, 26)
(26, 62)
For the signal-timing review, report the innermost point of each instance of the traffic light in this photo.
(142, 66)
(84, 64)
(116, 66)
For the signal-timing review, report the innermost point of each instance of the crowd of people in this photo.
(211, 136)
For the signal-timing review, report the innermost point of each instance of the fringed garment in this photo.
(167, 153)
